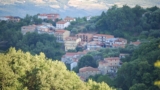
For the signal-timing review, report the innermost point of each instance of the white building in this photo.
(3, 18)
(62, 24)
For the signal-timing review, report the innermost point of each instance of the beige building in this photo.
(30, 28)
(71, 43)
(61, 35)
(109, 65)
(85, 37)
(85, 72)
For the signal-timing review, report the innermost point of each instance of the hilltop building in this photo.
(51, 16)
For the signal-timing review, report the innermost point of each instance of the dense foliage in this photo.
(130, 23)
(138, 72)
(10, 35)
(23, 71)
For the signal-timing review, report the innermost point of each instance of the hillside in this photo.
(135, 23)
(22, 71)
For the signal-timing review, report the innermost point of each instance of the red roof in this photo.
(68, 18)
(120, 40)
(136, 43)
(112, 58)
(60, 31)
(85, 69)
(105, 35)
(61, 22)
(51, 14)
(71, 38)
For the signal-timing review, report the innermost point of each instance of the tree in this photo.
(23, 71)
(87, 60)
(139, 86)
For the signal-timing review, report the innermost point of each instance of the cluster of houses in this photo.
(87, 41)
(106, 66)
(10, 18)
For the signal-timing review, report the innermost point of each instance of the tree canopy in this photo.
(23, 71)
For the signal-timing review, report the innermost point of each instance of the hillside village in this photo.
(87, 41)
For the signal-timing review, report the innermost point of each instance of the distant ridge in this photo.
(74, 8)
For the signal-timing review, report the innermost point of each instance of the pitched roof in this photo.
(104, 35)
(71, 38)
(136, 43)
(51, 14)
(85, 69)
(61, 22)
(68, 18)
(70, 54)
(103, 62)
(112, 58)
(60, 31)
(120, 40)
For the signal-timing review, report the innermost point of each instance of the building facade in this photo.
(30, 28)
(109, 65)
(102, 37)
(10, 18)
(85, 72)
(85, 37)
(94, 45)
(62, 24)
(61, 35)
(69, 19)
(51, 16)
(71, 43)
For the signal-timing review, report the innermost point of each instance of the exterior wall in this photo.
(104, 68)
(4, 18)
(71, 44)
(61, 36)
(62, 25)
(109, 65)
(65, 34)
(86, 74)
(42, 17)
(72, 65)
(93, 46)
(25, 29)
(49, 16)
(102, 37)
(10, 18)
(85, 37)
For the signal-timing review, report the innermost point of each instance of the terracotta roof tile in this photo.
(112, 58)
(71, 38)
(84, 69)
(61, 22)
